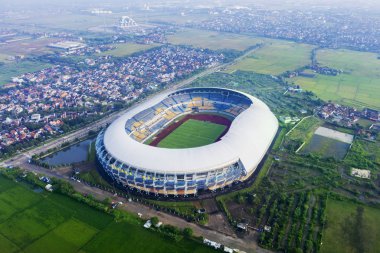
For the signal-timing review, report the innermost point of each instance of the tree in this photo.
(154, 220)
(106, 201)
(188, 232)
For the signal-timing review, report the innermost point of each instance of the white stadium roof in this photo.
(248, 139)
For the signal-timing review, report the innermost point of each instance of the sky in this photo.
(30, 5)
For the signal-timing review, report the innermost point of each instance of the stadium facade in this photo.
(122, 153)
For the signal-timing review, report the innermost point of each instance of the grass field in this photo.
(47, 21)
(362, 148)
(304, 130)
(26, 47)
(336, 238)
(213, 40)
(128, 49)
(275, 57)
(34, 222)
(192, 133)
(358, 86)
(9, 70)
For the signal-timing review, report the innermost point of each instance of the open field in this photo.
(301, 133)
(25, 47)
(339, 236)
(192, 133)
(275, 57)
(213, 40)
(9, 70)
(128, 49)
(304, 129)
(358, 86)
(48, 21)
(168, 17)
(37, 221)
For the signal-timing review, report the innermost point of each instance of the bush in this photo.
(154, 221)
(188, 232)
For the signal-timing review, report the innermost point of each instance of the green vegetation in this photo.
(364, 154)
(91, 156)
(9, 70)
(92, 176)
(118, 237)
(275, 57)
(357, 86)
(214, 40)
(279, 139)
(289, 193)
(128, 49)
(295, 220)
(301, 133)
(186, 209)
(40, 221)
(351, 227)
(192, 133)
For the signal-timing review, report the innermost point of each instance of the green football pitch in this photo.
(192, 133)
(34, 221)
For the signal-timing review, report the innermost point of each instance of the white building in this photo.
(124, 156)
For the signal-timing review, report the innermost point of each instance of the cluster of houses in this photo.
(49, 97)
(344, 29)
(348, 116)
(343, 115)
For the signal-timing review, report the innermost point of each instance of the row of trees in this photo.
(295, 221)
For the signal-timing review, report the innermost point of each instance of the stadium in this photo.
(187, 141)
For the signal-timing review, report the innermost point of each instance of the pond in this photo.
(326, 147)
(73, 154)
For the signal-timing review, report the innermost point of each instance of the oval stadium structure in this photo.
(129, 149)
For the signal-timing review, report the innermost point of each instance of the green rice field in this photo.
(34, 221)
(192, 133)
(275, 57)
(13, 69)
(128, 49)
(357, 86)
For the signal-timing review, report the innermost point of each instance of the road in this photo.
(248, 244)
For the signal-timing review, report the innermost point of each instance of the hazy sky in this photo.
(277, 4)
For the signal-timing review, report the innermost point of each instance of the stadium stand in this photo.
(145, 123)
